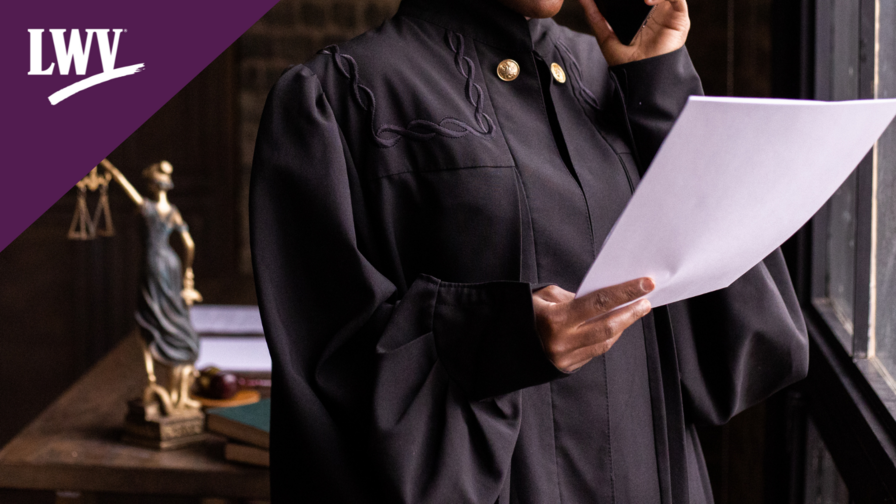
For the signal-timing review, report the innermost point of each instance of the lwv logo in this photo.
(78, 53)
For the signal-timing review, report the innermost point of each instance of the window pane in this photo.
(885, 328)
(842, 252)
(841, 236)
(845, 50)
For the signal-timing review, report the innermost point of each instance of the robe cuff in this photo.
(663, 82)
(486, 339)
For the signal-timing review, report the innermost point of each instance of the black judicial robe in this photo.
(405, 202)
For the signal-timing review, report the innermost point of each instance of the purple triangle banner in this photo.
(79, 77)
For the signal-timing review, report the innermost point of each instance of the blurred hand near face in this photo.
(665, 31)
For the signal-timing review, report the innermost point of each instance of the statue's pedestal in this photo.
(145, 425)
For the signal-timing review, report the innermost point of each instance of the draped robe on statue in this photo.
(162, 314)
(405, 203)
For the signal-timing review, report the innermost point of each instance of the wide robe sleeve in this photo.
(738, 345)
(414, 391)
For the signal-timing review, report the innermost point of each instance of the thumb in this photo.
(680, 6)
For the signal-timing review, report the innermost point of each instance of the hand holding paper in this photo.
(733, 180)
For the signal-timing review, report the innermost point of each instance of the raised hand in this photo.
(665, 31)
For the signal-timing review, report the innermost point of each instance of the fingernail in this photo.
(647, 285)
(644, 306)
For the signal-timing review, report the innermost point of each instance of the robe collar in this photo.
(487, 21)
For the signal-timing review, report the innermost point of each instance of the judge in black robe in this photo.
(406, 202)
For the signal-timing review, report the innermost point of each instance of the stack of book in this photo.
(248, 431)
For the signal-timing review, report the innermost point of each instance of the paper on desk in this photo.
(226, 319)
(733, 180)
(230, 353)
(232, 338)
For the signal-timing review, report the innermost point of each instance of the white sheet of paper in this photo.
(226, 319)
(234, 353)
(734, 179)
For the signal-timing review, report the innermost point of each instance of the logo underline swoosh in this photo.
(93, 80)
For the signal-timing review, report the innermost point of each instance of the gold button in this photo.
(558, 73)
(508, 70)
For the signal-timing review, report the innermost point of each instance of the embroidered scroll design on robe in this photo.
(388, 135)
(576, 72)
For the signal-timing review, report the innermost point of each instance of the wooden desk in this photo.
(74, 445)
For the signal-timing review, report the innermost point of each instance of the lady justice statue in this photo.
(169, 340)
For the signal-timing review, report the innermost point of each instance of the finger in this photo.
(676, 9)
(672, 4)
(612, 324)
(596, 338)
(609, 326)
(604, 300)
(680, 6)
(602, 29)
(578, 358)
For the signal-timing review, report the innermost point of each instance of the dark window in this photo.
(851, 266)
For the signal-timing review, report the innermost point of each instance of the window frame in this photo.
(852, 398)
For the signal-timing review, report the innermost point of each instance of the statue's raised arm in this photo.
(135, 196)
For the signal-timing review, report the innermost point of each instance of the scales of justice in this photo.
(165, 416)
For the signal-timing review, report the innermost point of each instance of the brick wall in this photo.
(292, 32)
